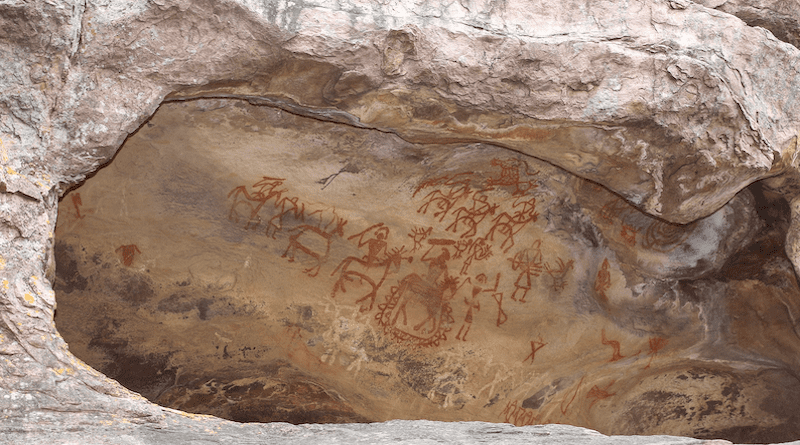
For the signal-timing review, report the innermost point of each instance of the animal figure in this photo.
(264, 190)
(559, 275)
(431, 296)
(314, 241)
(374, 274)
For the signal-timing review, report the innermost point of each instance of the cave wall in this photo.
(619, 119)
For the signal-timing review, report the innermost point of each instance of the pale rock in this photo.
(620, 119)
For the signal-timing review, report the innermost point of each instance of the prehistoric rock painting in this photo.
(598, 393)
(502, 317)
(528, 263)
(513, 173)
(418, 235)
(76, 202)
(656, 344)
(516, 415)
(373, 268)
(314, 242)
(559, 274)
(288, 216)
(569, 397)
(473, 217)
(420, 284)
(635, 228)
(614, 344)
(536, 345)
(474, 302)
(422, 299)
(128, 252)
(603, 281)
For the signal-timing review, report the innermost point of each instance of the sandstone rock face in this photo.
(349, 212)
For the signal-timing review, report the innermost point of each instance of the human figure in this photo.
(474, 303)
(128, 252)
(472, 217)
(376, 248)
(502, 317)
(603, 281)
(535, 347)
(479, 250)
(377, 256)
(529, 263)
(76, 201)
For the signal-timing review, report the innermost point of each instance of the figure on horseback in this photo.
(372, 268)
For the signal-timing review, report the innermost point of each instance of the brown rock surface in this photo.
(348, 212)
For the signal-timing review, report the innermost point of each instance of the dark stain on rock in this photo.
(147, 374)
(654, 407)
(712, 407)
(417, 374)
(134, 288)
(731, 391)
(572, 221)
(68, 277)
(430, 111)
(305, 312)
(268, 399)
(493, 400)
(175, 304)
(203, 308)
(535, 401)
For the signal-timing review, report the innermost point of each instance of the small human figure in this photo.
(502, 317)
(376, 248)
(628, 234)
(76, 201)
(603, 281)
(535, 346)
(128, 252)
(529, 263)
(474, 303)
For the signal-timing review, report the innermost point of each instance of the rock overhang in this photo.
(703, 88)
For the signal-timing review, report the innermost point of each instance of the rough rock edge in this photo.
(52, 111)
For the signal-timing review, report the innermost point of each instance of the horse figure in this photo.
(264, 191)
(373, 273)
(314, 242)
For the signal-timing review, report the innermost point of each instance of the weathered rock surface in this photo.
(179, 429)
(360, 211)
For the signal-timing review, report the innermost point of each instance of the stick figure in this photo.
(473, 303)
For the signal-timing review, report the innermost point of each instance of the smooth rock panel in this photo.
(254, 264)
